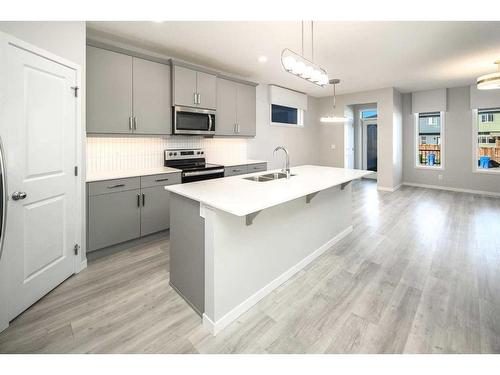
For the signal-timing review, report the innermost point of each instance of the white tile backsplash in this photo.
(130, 153)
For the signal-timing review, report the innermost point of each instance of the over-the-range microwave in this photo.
(193, 121)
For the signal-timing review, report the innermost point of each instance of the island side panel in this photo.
(249, 261)
(187, 251)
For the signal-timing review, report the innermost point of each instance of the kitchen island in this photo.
(233, 240)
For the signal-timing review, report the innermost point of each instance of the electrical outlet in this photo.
(440, 176)
(333, 147)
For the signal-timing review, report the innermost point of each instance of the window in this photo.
(429, 131)
(487, 140)
(487, 117)
(369, 114)
(281, 115)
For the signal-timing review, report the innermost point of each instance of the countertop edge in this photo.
(241, 213)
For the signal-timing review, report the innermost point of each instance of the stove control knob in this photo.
(202, 152)
(170, 154)
(198, 152)
(175, 153)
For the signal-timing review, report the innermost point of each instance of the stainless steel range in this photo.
(193, 164)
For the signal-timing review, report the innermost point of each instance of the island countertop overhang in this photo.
(241, 197)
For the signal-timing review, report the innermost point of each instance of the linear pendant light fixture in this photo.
(490, 81)
(301, 67)
(333, 118)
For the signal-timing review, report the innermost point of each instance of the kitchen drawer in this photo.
(161, 179)
(113, 186)
(235, 170)
(260, 167)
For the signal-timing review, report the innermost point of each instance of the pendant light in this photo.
(490, 81)
(301, 67)
(333, 118)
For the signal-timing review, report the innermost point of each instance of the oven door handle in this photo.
(210, 122)
(202, 173)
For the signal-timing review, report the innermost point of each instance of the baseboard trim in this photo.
(458, 190)
(390, 190)
(215, 327)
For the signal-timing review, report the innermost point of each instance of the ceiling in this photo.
(409, 56)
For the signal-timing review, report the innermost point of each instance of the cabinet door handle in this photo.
(135, 123)
(234, 129)
(138, 200)
(195, 98)
(143, 199)
(130, 125)
(199, 98)
(161, 179)
(115, 186)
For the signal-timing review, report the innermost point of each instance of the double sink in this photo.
(268, 177)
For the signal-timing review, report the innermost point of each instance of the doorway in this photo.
(369, 140)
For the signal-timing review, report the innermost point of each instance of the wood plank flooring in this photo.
(419, 274)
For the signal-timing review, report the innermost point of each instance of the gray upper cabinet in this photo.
(206, 87)
(236, 108)
(192, 88)
(226, 107)
(184, 88)
(152, 104)
(127, 95)
(246, 110)
(109, 91)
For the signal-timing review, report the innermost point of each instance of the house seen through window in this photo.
(488, 139)
(429, 133)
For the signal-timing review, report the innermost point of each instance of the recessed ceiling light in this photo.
(262, 59)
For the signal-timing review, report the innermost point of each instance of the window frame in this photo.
(475, 146)
(416, 155)
(300, 118)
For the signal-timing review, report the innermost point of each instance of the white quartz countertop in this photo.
(111, 175)
(241, 197)
(233, 162)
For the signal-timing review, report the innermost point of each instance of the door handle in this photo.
(195, 98)
(130, 125)
(199, 98)
(17, 195)
(138, 200)
(135, 123)
(143, 199)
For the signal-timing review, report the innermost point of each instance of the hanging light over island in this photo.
(299, 66)
(333, 118)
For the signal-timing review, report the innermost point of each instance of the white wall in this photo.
(458, 151)
(301, 142)
(333, 134)
(67, 40)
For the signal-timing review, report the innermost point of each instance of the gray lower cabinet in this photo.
(113, 218)
(123, 209)
(155, 210)
(236, 108)
(235, 170)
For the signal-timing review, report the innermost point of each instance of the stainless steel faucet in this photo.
(287, 165)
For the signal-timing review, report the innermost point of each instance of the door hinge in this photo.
(76, 170)
(75, 89)
(76, 248)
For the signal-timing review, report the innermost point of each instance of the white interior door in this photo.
(349, 145)
(40, 152)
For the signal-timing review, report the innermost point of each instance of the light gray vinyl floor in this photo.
(419, 274)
